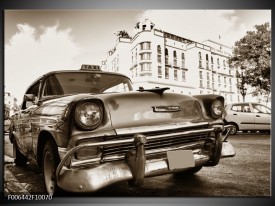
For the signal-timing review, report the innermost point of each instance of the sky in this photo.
(37, 42)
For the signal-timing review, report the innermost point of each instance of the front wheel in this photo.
(234, 128)
(49, 164)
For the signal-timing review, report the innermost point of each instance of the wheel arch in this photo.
(231, 122)
(43, 137)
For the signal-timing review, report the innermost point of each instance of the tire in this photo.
(234, 128)
(50, 161)
(19, 159)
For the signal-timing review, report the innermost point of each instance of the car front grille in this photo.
(175, 138)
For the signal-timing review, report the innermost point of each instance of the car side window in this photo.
(241, 108)
(34, 89)
(257, 108)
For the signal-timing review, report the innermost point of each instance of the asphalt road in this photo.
(248, 174)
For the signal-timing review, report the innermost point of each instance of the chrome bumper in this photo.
(134, 167)
(93, 179)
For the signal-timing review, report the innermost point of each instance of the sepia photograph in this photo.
(137, 103)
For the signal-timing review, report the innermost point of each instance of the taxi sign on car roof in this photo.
(90, 67)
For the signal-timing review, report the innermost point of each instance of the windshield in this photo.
(84, 82)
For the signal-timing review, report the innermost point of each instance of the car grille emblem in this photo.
(166, 108)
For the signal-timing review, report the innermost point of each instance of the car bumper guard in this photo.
(134, 167)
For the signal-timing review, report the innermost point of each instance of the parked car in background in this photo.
(248, 116)
(88, 129)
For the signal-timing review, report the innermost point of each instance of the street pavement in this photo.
(11, 184)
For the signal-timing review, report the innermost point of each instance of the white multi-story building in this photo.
(154, 58)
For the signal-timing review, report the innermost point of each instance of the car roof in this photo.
(78, 71)
(83, 71)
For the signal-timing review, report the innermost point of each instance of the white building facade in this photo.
(154, 58)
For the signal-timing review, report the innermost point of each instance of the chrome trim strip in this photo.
(160, 128)
(85, 162)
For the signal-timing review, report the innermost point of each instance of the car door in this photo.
(240, 113)
(24, 135)
(262, 115)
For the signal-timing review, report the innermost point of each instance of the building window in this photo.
(159, 54)
(145, 56)
(159, 49)
(159, 58)
(200, 62)
(146, 67)
(225, 82)
(219, 80)
(159, 72)
(199, 55)
(212, 63)
(166, 73)
(200, 74)
(201, 79)
(175, 74)
(134, 72)
(182, 60)
(208, 80)
(183, 74)
(207, 62)
(145, 46)
(166, 56)
(175, 58)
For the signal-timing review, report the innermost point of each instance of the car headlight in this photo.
(88, 115)
(217, 108)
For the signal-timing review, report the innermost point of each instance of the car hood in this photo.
(134, 109)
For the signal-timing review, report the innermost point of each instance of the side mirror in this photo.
(29, 97)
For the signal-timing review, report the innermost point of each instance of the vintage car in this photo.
(88, 129)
